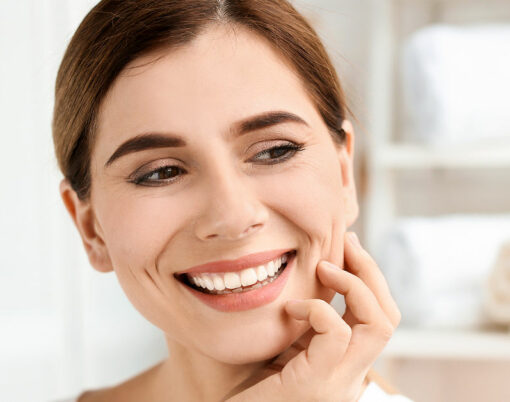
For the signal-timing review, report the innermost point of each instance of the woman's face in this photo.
(224, 198)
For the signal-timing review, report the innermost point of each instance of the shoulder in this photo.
(132, 389)
(99, 395)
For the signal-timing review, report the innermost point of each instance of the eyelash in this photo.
(143, 180)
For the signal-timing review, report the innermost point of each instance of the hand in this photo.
(331, 360)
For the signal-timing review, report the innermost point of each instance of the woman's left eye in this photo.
(283, 153)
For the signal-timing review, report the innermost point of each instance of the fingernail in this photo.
(330, 265)
(353, 237)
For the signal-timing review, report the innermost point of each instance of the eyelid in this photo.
(160, 163)
(153, 165)
(291, 150)
(138, 177)
(267, 144)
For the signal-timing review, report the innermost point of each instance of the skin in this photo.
(229, 202)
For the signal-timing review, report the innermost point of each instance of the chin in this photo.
(247, 347)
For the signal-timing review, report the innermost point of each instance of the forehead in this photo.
(222, 76)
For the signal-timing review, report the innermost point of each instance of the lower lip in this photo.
(246, 300)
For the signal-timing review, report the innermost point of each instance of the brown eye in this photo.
(170, 174)
(162, 175)
(280, 153)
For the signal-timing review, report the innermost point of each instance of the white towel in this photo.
(497, 289)
(456, 85)
(436, 267)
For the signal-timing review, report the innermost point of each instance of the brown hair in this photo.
(116, 32)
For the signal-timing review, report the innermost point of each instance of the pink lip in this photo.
(246, 300)
(251, 260)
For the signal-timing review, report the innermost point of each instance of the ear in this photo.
(346, 158)
(84, 219)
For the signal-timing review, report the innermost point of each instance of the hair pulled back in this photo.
(116, 32)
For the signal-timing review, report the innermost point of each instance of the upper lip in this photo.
(250, 260)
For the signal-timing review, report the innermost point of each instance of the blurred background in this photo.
(428, 82)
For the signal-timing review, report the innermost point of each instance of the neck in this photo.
(188, 375)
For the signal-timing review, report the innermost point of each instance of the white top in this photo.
(372, 393)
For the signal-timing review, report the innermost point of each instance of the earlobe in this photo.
(346, 159)
(82, 215)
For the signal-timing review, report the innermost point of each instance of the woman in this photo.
(208, 163)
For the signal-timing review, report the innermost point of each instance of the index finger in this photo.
(374, 329)
(361, 264)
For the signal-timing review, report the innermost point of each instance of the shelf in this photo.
(448, 344)
(420, 157)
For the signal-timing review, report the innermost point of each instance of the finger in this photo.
(358, 297)
(348, 317)
(361, 264)
(374, 329)
(327, 347)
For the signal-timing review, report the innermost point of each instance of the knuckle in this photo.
(357, 281)
(319, 305)
(343, 330)
(320, 313)
(386, 331)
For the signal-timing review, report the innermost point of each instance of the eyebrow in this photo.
(153, 140)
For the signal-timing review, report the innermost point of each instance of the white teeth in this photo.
(232, 280)
(218, 282)
(208, 282)
(261, 272)
(271, 268)
(248, 277)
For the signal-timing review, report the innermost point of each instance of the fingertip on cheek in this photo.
(329, 266)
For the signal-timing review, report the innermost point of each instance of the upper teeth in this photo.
(233, 280)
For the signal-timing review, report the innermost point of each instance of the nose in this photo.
(232, 209)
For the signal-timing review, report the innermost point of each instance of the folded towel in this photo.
(436, 267)
(455, 85)
(497, 289)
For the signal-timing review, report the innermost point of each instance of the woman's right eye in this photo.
(159, 176)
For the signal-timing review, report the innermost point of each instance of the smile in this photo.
(241, 281)
(241, 290)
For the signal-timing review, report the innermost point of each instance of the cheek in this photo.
(136, 231)
(309, 196)
(137, 228)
